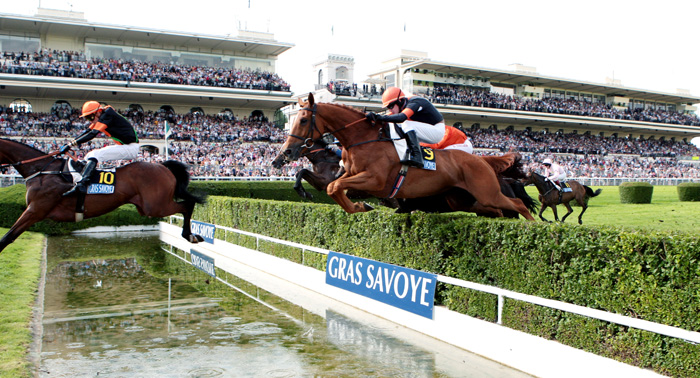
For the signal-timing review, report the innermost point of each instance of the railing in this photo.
(658, 328)
(9, 180)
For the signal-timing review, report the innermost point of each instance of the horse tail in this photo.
(182, 178)
(590, 192)
(507, 165)
(520, 192)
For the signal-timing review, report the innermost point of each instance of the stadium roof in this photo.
(534, 79)
(81, 28)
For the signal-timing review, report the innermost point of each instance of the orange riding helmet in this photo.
(90, 107)
(390, 95)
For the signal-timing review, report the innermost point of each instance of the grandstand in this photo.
(227, 104)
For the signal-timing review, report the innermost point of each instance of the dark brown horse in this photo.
(551, 197)
(150, 187)
(372, 165)
(326, 169)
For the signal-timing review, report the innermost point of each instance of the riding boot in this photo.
(415, 155)
(81, 186)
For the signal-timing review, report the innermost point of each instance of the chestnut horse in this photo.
(326, 168)
(372, 164)
(551, 197)
(150, 187)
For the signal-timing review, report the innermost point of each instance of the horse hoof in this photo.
(368, 207)
(194, 239)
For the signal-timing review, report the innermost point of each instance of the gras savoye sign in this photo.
(408, 289)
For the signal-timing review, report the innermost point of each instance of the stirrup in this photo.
(413, 162)
(77, 188)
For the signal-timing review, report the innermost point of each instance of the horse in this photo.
(551, 197)
(326, 168)
(151, 187)
(372, 164)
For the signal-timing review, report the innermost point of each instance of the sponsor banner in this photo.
(407, 289)
(100, 189)
(203, 262)
(205, 230)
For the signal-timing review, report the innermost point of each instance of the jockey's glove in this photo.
(372, 117)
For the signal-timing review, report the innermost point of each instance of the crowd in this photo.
(486, 99)
(77, 65)
(225, 146)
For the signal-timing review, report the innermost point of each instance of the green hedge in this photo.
(689, 191)
(636, 192)
(652, 276)
(12, 205)
(270, 190)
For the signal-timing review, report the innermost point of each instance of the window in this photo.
(21, 105)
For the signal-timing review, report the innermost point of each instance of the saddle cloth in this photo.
(401, 147)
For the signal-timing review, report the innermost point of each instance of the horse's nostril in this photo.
(288, 152)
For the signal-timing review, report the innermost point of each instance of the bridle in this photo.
(308, 140)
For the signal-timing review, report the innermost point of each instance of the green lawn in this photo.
(19, 276)
(664, 213)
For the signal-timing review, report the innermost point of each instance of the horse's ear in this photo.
(311, 99)
(300, 101)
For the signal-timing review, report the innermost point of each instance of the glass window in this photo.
(11, 43)
(21, 105)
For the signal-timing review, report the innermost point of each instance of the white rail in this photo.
(645, 325)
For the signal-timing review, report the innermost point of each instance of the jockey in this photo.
(418, 118)
(453, 137)
(554, 172)
(103, 119)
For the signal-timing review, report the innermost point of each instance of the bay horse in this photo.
(372, 164)
(326, 169)
(151, 187)
(551, 197)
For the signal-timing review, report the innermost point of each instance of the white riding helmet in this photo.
(547, 161)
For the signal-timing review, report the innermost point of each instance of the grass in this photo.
(20, 266)
(665, 213)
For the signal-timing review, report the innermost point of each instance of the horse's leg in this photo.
(569, 210)
(584, 206)
(26, 220)
(542, 208)
(299, 188)
(160, 207)
(554, 210)
(366, 181)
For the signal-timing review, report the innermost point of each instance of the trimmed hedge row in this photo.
(636, 192)
(652, 276)
(689, 191)
(270, 190)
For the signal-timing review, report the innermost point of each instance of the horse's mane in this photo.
(348, 107)
(23, 145)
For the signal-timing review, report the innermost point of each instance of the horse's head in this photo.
(304, 131)
(314, 121)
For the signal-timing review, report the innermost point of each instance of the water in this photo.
(108, 313)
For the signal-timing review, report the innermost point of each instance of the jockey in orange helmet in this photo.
(106, 120)
(418, 118)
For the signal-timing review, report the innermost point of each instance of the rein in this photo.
(308, 140)
(30, 160)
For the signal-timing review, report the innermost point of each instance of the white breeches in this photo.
(115, 152)
(426, 133)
